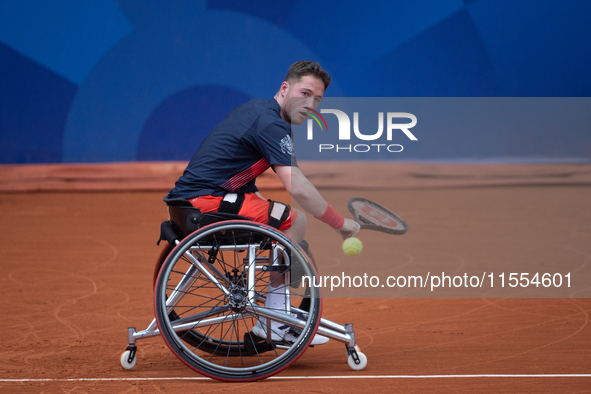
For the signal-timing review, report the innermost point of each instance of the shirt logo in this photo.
(286, 146)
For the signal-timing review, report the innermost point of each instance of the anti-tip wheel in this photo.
(362, 362)
(125, 360)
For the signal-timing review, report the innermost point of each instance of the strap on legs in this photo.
(278, 213)
(231, 203)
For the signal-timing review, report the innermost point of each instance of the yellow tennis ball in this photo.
(352, 246)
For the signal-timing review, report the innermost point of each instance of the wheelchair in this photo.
(210, 291)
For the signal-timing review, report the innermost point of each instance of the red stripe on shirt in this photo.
(242, 178)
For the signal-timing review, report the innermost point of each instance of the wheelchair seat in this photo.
(186, 219)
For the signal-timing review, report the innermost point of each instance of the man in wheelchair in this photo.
(253, 137)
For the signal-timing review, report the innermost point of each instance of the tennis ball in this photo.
(352, 246)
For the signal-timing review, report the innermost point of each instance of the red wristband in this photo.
(332, 218)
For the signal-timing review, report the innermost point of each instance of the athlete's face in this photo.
(299, 97)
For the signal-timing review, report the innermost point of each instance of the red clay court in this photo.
(79, 244)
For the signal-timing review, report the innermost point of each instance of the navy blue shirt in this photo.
(245, 144)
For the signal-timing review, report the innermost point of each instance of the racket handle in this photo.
(346, 234)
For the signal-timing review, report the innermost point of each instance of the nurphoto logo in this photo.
(344, 133)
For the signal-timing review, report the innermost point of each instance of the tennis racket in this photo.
(373, 216)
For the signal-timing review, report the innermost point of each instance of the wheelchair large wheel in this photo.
(211, 291)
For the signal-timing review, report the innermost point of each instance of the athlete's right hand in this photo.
(350, 228)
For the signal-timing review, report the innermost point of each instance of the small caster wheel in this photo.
(128, 359)
(362, 361)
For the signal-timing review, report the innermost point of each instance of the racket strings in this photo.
(371, 214)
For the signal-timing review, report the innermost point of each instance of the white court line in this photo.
(316, 377)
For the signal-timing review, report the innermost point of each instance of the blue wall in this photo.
(106, 80)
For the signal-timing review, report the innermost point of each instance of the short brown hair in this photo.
(304, 67)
